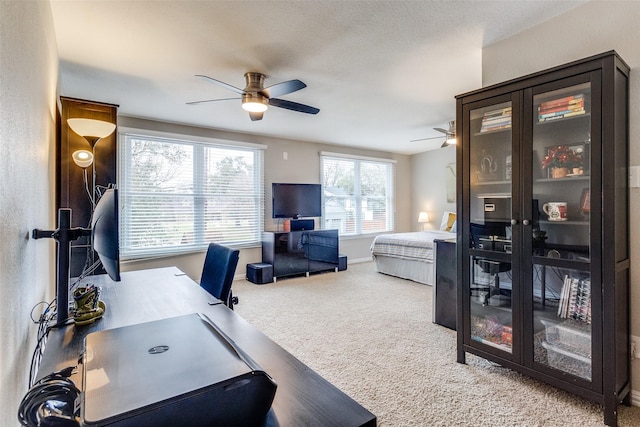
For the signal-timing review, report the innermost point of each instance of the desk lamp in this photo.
(423, 217)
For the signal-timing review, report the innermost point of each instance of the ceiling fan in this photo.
(449, 134)
(256, 98)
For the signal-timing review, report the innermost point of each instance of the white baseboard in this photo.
(635, 398)
(359, 260)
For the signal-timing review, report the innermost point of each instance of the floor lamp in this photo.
(92, 131)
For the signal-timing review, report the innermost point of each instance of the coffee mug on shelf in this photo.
(557, 211)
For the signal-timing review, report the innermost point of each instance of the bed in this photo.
(411, 255)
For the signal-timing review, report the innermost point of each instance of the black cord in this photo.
(44, 327)
(41, 337)
(53, 394)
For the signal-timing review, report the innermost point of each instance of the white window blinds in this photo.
(358, 194)
(178, 195)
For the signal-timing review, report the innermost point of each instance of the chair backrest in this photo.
(219, 268)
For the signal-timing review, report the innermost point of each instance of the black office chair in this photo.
(482, 237)
(217, 274)
(492, 268)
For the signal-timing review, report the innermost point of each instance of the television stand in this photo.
(297, 253)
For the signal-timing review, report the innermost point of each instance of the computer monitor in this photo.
(104, 233)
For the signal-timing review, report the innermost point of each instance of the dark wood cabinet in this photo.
(543, 250)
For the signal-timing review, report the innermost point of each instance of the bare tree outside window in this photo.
(180, 195)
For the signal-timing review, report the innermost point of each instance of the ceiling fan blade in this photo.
(222, 84)
(255, 116)
(442, 130)
(289, 105)
(426, 139)
(283, 88)
(209, 100)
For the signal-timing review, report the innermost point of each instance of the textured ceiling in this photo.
(382, 73)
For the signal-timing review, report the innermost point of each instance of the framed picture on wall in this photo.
(450, 181)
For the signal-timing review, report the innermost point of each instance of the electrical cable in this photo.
(52, 400)
(41, 336)
(86, 186)
(44, 327)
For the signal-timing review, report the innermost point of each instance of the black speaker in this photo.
(302, 224)
(342, 262)
(260, 273)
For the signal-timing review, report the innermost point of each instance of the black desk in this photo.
(303, 397)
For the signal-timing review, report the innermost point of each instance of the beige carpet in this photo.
(372, 336)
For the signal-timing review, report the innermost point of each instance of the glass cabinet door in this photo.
(490, 241)
(560, 249)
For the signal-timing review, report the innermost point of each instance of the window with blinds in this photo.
(358, 196)
(179, 195)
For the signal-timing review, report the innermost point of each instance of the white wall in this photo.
(28, 82)
(428, 178)
(593, 28)
(302, 165)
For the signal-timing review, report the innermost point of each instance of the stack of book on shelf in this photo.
(496, 120)
(561, 108)
(575, 299)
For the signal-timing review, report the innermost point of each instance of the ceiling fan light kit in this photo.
(451, 140)
(256, 98)
(253, 105)
(449, 134)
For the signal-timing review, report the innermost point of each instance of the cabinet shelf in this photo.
(568, 222)
(566, 179)
(563, 119)
(492, 344)
(493, 132)
(491, 182)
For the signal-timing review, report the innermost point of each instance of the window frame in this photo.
(199, 144)
(358, 197)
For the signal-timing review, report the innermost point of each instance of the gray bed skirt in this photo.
(418, 271)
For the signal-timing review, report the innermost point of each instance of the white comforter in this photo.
(417, 246)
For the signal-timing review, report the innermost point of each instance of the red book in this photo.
(562, 101)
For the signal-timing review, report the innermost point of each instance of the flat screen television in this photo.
(296, 200)
(104, 233)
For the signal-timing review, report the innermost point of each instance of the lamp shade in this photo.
(91, 128)
(82, 158)
(423, 217)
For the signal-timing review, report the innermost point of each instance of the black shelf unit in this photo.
(548, 296)
(297, 253)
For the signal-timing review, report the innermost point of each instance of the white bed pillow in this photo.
(448, 221)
